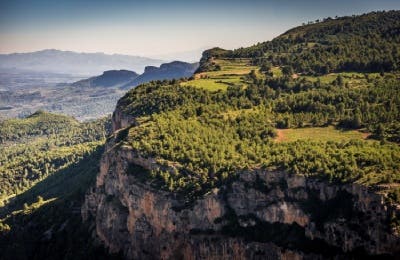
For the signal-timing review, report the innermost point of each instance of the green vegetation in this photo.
(323, 134)
(230, 72)
(207, 84)
(212, 136)
(47, 164)
(290, 102)
(208, 137)
(275, 71)
(45, 222)
(207, 63)
(274, 88)
(41, 144)
(210, 150)
(366, 43)
(39, 123)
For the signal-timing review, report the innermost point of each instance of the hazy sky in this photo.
(159, 27)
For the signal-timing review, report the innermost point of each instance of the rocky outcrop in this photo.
(121, 120)
(263, 214)
(207, 59)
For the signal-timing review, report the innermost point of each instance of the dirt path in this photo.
(280, 136)
(365, 135)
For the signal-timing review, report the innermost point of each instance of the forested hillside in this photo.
(213, 135)
(230, 116)
(366, 43)
(41, 144)
(47, 163)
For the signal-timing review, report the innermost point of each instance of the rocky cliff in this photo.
(259, 215)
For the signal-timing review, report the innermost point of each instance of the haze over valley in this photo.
(78, 87)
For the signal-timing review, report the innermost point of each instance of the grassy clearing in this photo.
(232, 73)
(348, 77)
(323, 134)
(276, 72)
(232, 114)
(208, 84)
(351, 79)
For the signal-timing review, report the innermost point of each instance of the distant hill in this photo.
(127, 79)
(172, 70)
(48, 179)
(111, 78)
(69, 62)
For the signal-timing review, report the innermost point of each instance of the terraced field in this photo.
(233, 72)
(323, 134)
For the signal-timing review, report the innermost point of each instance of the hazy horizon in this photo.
(156, 28)
(167, 57)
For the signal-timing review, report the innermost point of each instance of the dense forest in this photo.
(213, 135)
(34, 147)
(366, 43)
(44, 222)
(47, 163)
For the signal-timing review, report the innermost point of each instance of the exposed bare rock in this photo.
(262, 215)
(121, 120)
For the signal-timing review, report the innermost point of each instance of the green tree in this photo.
(287, 70)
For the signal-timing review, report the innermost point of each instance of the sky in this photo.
(160, 28)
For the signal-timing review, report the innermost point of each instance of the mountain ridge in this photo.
(363, 43)
(128, 79)
(70, 62)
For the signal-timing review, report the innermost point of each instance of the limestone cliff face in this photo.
(260, 215)
(121, 120)
(133, 217)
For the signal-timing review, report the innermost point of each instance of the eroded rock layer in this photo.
(261, 214)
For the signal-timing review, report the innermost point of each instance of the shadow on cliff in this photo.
(55, 229)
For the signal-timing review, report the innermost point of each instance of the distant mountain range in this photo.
(68, 62)
(128, 79)
(23, 93)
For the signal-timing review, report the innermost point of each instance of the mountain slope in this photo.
(366, 43)
(47, 163)
(69, 62)
(33, 148)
